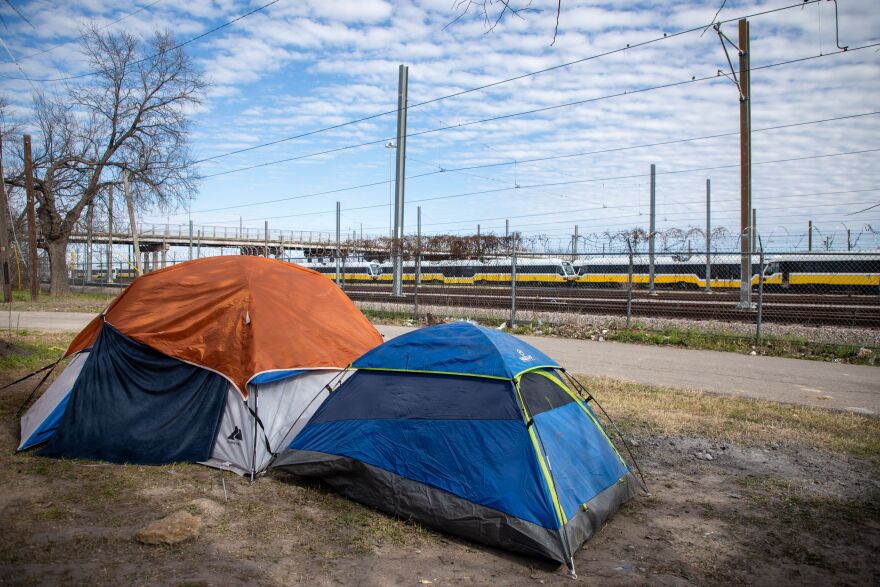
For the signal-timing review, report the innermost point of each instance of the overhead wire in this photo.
(117, 21)
(527, 112)
(628, 47)
(154, 55)
(572, 182)
(547, 158)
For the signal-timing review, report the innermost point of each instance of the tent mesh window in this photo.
(542, 394)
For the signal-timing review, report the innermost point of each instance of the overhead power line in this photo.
(535, 159)
(109, 24)
(532, 111)
(628, 47)
(145, 59)
(699, 202)
(572, 182)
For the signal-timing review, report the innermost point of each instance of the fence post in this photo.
(513, 281)
(629, 285)
(760, 293)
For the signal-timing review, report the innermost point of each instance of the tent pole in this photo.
(254, 454)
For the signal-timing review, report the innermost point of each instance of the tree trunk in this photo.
(58, 282)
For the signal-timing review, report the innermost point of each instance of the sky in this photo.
(303, 65)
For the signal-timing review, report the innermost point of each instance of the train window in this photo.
(567, 268)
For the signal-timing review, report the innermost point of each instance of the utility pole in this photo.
(652, 229)
(745, 161)
(574, 244)
(110, 235)
(190, 239)
(31, 219)
(809, 236)
(133, 226)
(848, 240)
(754, 230)
(338, 214)
(397, 241)
(507, 234)
(708, 235)
(266, 238)
(4, 234)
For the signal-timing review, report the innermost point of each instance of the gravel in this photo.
(862, 337)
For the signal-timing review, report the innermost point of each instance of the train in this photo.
(810, 273)
(817, 273)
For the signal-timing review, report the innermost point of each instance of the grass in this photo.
(70, 302)
(87, 507)
(776, 346)
(797, 347)
(24, 350)
(644, 410)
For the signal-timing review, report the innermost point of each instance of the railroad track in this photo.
(783, 308)
(564, 292)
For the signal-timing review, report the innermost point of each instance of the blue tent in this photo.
(470, 431)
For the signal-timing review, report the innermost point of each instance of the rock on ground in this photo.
(177, 527)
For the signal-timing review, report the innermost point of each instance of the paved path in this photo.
(814, 383)
(831, 385)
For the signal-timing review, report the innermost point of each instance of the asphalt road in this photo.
(847, 387)
(814, 383)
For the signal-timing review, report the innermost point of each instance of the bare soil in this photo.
(759, 513)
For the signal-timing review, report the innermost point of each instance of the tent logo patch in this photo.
(523, 356)
(236, 435)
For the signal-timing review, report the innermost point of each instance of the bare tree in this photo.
(494, 12)
(131, 115)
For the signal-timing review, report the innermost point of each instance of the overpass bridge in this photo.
(155, 240)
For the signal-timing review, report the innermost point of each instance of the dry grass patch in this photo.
(644, 410)
(70, 302)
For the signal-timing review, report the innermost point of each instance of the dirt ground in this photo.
(760, 512)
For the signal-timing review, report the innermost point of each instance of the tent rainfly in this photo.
(219, 360)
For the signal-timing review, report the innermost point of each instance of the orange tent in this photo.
(239, 316)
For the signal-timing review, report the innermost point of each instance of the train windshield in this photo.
(568, 269)
(375, 269)
(771, 268)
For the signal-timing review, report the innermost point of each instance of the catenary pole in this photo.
(338, 214)
(652, 228)
(745, 159)
(708, 235)
(397, 241)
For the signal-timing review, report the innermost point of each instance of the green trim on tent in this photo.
(579, 401)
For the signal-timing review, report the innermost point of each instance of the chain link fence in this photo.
(817, 298)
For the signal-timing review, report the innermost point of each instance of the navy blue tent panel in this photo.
(131, 404)
(388, 394)
(457, 347)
